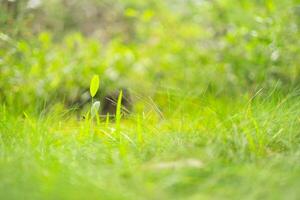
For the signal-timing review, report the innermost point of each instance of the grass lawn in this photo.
(206, 148)
(213, 99)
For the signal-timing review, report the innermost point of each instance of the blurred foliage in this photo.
(49, 50)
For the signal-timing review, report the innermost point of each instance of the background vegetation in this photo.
(215, 89)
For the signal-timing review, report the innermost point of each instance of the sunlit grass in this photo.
(247, 149)
(216, 112)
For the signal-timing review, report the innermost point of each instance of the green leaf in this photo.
(95, 108)
(94, 86)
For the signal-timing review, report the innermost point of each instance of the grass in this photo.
(200, 128)
(199, 148)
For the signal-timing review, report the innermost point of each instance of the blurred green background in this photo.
(49, 50)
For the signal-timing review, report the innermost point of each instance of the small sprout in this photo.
(95, 108)
(94, 85)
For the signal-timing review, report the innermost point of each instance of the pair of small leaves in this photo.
(94, 86)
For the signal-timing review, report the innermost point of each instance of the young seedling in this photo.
(94, 86)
